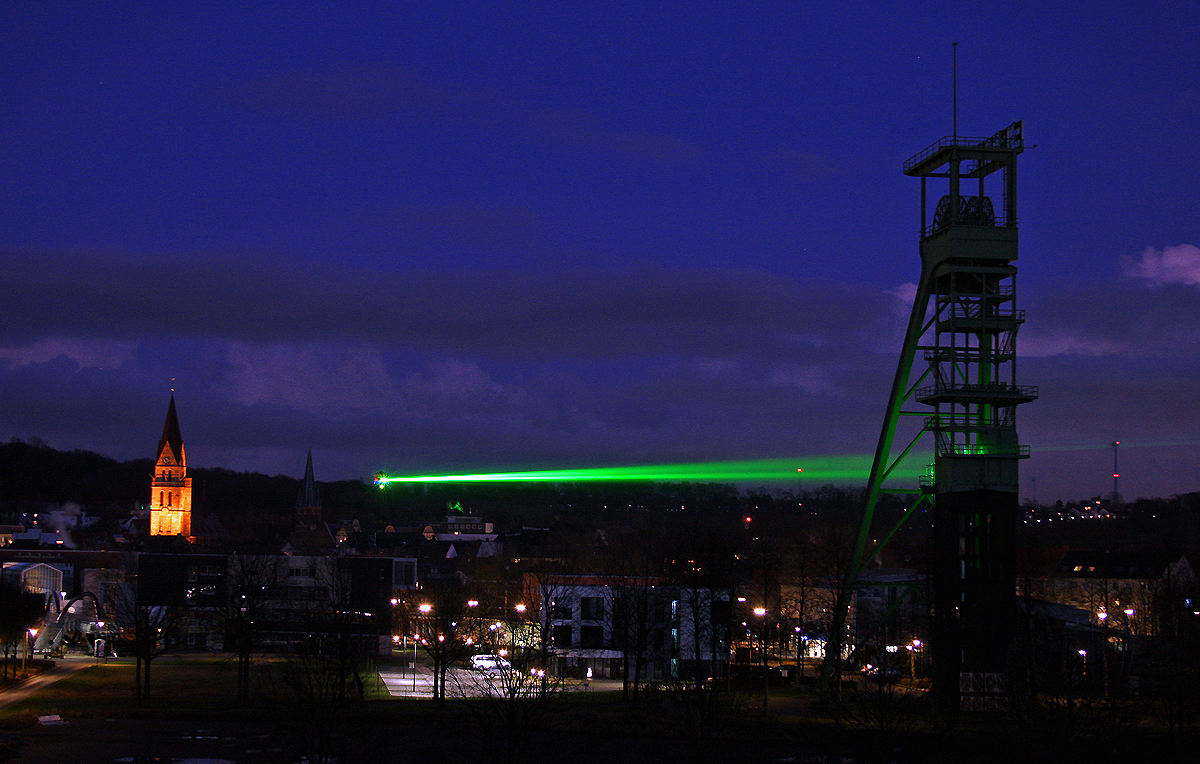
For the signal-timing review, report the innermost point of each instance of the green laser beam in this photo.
(825, 469)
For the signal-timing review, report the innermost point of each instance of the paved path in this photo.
(404, 684)
(62, 668)
(464, 683)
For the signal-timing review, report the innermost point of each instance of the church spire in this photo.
(308, 493)
(171, 436)
(308, 503)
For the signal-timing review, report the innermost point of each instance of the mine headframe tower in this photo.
(964, 322)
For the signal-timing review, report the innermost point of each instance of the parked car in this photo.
(490, 663)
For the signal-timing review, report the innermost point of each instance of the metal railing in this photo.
(956, 449)
(997, 391)
(943, 142)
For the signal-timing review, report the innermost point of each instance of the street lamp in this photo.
(29, 634)
(1083, 654)
(1103, 616)
(912, 648)
(800, 638)
(416, 639)
(761, 612)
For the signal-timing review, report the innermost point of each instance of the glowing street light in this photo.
(761, 612)
(912, 648)
(29, 635)
(425, 608)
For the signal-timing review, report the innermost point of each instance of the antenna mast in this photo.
(954, 69)
(1116, 474)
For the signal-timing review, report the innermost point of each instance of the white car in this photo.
(490, 663)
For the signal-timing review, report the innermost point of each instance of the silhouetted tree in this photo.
(250, 581)
(19, 611)
(439, 616)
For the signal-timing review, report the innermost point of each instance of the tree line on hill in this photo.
(32, 472)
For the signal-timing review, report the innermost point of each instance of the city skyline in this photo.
(471, 239)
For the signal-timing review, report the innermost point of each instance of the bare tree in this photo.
(549, 593)
(251, 581)
(799, 601)
(153, 628)
(19, 611)
(439, 617)
(637, 627)
(318, 722)
(514, 706)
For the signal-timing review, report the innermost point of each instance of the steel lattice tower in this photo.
(964, 324)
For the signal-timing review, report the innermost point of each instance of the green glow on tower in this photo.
(830, 469)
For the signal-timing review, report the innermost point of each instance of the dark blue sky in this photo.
(469, 236)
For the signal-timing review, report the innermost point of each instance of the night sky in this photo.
(443, 237)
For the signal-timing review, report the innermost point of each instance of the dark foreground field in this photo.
(194, 716)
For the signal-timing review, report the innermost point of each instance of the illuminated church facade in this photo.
(170, 487)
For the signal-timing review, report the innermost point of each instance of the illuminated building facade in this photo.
(170, 487)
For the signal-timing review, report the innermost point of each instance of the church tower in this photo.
(308, 503)
(170, 487)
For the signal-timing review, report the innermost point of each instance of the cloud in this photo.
(1155, 315)
(99, 354)
(1171, 265)
(361, 92)
(424, 371)
(265, 300)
